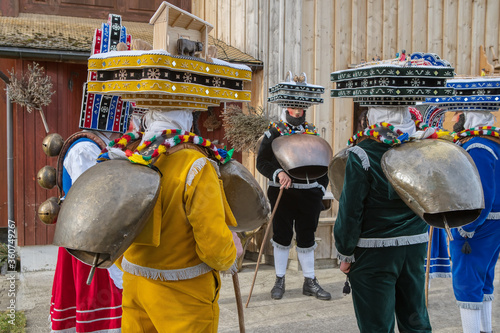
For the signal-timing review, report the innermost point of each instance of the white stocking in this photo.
(486, 317)
(280, 260)
(307, 263)
(471, 320)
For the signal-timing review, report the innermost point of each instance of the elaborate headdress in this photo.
(295, 92)
(105, 112)
(476, 97)
(394, 82)
(472, 94)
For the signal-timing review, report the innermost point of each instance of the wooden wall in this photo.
(319, 37)
(62, 116)
(130, 10)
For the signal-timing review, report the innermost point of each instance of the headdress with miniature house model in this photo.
(395, 82)
(295, 92)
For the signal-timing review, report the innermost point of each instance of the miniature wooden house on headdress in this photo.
(174, 26)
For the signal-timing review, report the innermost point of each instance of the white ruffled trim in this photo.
(394, 241)
(348, 259)
(470, 305)
(493, 216)
(300, 186)
(482, 146)
(165, 274)
(439, 275)
(279, 246)
(307, 249)
(465, 234)
(275, 174)
(488, 298)
(231, 270)
(195, 168)
(365, 162)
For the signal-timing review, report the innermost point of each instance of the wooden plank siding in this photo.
(130, 10)
(62, 117)
(324, 36)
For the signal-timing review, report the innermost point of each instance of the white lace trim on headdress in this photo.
(393, 241)
(478, 118)
(165, 274)
(482, 146)
(397, 116)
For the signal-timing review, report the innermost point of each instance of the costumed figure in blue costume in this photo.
(476, 246)
(439, 265)
(301, 202)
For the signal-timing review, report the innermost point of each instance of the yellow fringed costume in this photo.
(171, 280)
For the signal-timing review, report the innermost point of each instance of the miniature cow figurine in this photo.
(188, 47)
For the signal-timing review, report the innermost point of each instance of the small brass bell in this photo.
(46, 177)
(52, 144)
(48, 210)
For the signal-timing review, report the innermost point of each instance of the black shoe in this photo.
(279, 288)
(312, 288)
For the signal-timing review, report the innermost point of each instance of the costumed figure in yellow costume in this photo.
(171, 281)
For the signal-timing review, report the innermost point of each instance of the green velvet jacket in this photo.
(371, 214)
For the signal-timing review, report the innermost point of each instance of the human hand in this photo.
(285, 180)
(345, 267)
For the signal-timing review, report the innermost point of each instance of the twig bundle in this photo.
(244, 129)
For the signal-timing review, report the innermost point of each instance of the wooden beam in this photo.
(177, 19)
(190, 23)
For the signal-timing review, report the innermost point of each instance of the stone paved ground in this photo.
(294, 313)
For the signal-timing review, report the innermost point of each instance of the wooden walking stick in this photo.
(427, 267)
(239, 303)
(263, 244)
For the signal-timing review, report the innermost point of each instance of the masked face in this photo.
(295, 117)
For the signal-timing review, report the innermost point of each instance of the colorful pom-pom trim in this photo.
(371, 132)
(289, 131)
(172, 137)
(476, 131)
